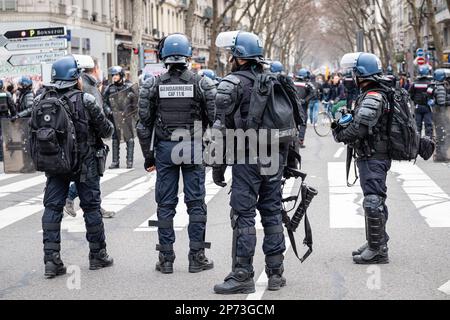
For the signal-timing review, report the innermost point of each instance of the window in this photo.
(8, 5)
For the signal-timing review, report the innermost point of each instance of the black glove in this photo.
(13, 119)
(426, 148)
(150, 162)
(219, 175)
(335, 125)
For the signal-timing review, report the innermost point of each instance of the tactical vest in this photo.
(420, 96)
(302, 89)
(375, 145)
(178, 102)
(3, 103)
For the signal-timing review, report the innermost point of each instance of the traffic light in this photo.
(136, 51)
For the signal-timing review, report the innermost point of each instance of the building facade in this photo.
(88, 22)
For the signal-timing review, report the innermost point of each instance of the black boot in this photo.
(54, 266)
(240, 281)
(377, 238)
(99, 259)
(130, 154)
(373, 256)
(198, 262)
(361, 249)
(165, 264)
(115, 154)
(274, 271)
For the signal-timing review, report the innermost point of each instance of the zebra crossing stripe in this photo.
(116, 201)
(8, 176)
(428, 198)
(445, 288)
(27, 208)
(8, 189)
(182, 218)
(345, 203)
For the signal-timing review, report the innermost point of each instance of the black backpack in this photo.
(404, 140)
(53, 140)
(270, 107)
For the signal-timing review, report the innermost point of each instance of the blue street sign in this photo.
(420, 52)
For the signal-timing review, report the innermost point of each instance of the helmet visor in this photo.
(84, 62)
(227, 39)
(350, 60)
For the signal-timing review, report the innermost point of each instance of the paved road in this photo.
(419, 226)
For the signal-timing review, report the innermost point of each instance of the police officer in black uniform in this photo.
(306, 93)
(252, 188)
(441, 115)
(7, 110)
(419, 95)
(177, 100)
(66, 80)
(119, 83)
(25, 97)
(368, 134)
(351, 89)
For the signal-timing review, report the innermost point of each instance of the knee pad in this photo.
(373, 205)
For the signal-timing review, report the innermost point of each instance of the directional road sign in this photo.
(36, 45)
(36, 33)
(35, 58)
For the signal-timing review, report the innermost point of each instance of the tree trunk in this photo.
(415, 23)
(212, 63)
(190, 18)
(434, 31)
(136, 35)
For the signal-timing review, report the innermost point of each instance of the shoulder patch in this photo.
(374, 93)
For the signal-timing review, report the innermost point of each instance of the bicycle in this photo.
(331, 113)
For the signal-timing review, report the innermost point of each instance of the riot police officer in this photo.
(252, 188)
(368, 134)
(66, 81)
(123, 116)
(7, 110)
(305, 92)
(276, 67)
(210, 74)
(419, 95)
(351, 89)
(177, 100)
(441, 114)
(25, 97)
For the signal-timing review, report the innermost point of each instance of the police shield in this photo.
(124, 105)
(17, 158)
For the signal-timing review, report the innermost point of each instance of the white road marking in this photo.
(5, 176)
(181, 220)
(445, 288)
(429, 199)
(339, 152)
(8, 189)
(261, 284)
(27, 208)
(345, 203)
(115, 201)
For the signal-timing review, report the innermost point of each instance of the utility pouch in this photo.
(101, 155)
